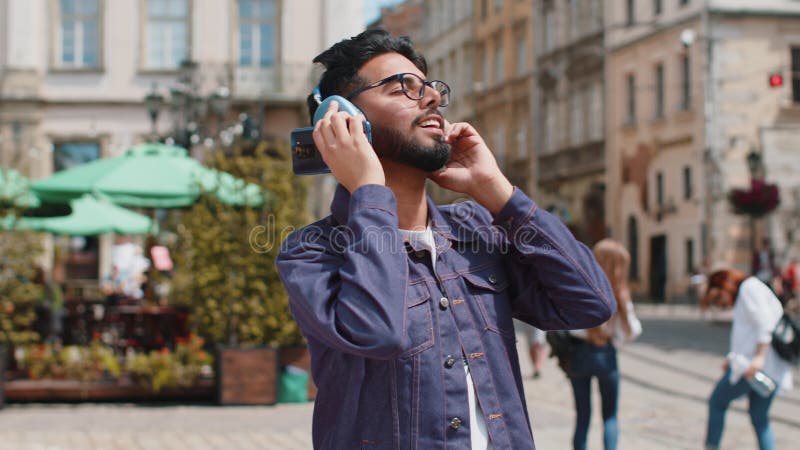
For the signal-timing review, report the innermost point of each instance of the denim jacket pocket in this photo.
(419, 322)
(489, 289)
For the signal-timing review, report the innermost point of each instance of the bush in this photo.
(225, 255)
(154, 370)
(19, 294)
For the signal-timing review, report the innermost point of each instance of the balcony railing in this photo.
(284, 81)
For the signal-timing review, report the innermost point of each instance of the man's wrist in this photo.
(494, 194)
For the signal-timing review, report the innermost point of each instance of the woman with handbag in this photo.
(752, 366)
(594, 351)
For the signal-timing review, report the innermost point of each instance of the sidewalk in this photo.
(667, 375)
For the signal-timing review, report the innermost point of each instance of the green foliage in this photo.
(162, 368)
(225, 255)
(154, 370)
(18, 291)
(86, 364)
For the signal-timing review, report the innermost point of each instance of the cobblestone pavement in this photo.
(667, 376)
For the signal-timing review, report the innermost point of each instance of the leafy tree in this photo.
(19, 293)
(225, 255)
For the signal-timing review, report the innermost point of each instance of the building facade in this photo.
(74, 74)
(690, 80)
(502, 80)
(569, 113)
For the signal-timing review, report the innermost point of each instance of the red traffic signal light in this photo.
(775, 80)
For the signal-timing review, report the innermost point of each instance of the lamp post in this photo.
(153, 102)
(189, 110)
(754, 165)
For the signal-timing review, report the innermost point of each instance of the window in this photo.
(686, 83)
(684, 2)
(257, 33)
(71, 154)
(659, 104)
(796, 74)
(522, 53)
(522, 136)
(690, 256)
(79, 43)
(550, 126)
(498, 5)
(484, 7)
(659, 189)
(687, 183)
(485, 67)
(595, 122)
(549, 29)
(633, 246)
(500, 146)
(657, 7)
(576, 118)
(574, 18)
(630, 13)
(499, 66)
(631, 89)
(167, 33)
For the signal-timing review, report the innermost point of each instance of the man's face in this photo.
(407, 131)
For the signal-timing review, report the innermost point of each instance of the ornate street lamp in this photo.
(754, 164)
(188, 108)
(153, 102)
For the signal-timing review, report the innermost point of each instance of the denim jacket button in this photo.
(444, 302)
(455, 423)
(492, 279)
(450, 361)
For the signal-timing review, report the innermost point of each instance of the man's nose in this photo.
(431, 98)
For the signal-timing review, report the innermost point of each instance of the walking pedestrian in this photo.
(594, 351)
(752, 367)
(537, 349)
(407, 306)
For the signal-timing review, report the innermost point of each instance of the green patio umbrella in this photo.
(148, 176)
(15, 190)
(90, 216)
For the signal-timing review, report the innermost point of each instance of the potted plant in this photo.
(225, 271)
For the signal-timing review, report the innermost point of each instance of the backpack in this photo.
(786, 339)
(560, 343)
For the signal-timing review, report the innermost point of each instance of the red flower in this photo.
(759, 200)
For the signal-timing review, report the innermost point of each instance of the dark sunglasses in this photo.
(413, 87)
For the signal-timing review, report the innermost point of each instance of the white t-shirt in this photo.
(616, 329)
(756, 312)
(479, 437)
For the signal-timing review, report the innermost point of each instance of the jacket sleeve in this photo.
(558, 283)
(347, 284)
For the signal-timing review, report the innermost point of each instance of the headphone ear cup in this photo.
(344, 105)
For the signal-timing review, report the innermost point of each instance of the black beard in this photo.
(393, 145)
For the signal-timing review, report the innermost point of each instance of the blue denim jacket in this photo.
(387, 333)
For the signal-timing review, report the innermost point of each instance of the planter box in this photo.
(72, 390)
(2, 375)
(247, 376)
(299, 357)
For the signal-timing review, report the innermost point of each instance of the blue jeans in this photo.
(589, 361)
(724, 393)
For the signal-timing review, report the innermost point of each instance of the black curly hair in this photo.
(343, 60)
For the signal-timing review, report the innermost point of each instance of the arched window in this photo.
(633, 247)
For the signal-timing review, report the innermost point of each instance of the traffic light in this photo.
(775, 80)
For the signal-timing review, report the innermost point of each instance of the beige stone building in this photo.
(483, 50)
(568, 111)
(74, 73)
(503, 77)
(689, 98)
